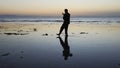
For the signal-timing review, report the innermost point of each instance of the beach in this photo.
(32, 35)
(38, 46)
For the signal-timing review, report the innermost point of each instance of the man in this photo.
(66, 18)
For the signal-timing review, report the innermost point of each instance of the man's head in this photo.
(66, 10)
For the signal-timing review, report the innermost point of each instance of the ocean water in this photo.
(38, 19)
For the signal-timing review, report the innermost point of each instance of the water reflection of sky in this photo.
(90, 50)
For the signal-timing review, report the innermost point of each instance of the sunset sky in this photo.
(56, 7)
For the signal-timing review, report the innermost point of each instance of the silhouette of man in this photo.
(66, 48)
(66, 18)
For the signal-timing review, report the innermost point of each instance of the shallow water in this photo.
(49, 20)
(98, 48)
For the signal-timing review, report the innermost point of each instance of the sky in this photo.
(56, 7)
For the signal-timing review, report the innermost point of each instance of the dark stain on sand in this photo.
(34, 29)
(83, 32)
(46, 34)
(16, 33)
(5, 54)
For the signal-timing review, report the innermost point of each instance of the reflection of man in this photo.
(66, 51)
(66, 18)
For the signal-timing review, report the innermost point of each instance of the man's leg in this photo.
(61, 29)
(66, 29)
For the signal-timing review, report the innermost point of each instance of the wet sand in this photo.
(37, 46)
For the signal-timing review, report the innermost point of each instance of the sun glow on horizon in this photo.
(56, 7)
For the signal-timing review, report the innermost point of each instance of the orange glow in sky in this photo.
(56, 7)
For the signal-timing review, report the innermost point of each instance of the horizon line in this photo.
(12, 15)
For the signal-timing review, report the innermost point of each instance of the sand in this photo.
(37, 46)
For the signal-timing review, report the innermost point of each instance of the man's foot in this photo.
(66, 34)
(58, 34)
(58, 37)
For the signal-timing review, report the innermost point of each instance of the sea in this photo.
(58, 19)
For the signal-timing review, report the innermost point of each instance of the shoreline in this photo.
(24, 29)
